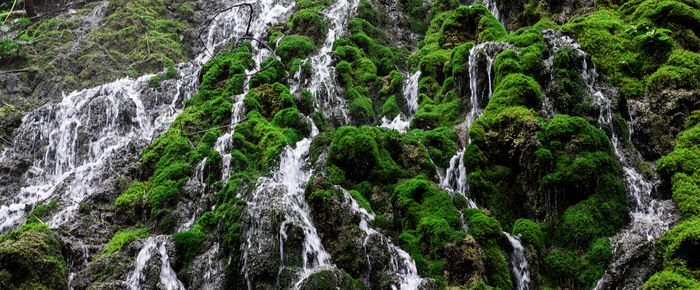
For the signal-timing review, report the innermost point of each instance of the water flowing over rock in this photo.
(401, 264)
(410, 92)
(283, 192)
(322, 82)
(481, 59)
(650, 217)
(74, 143)
(518, 263)
(249, 162)
(154, 247)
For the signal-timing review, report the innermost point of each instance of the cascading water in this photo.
(75, 147)
(267, 13)
(323, 85)
(481, 57)
(76, 141)
(410, 92)
(649, 217)
(284, 192)
(455, 178)
(401, 262)
(519, 265)
(491, 5)
(154, 246)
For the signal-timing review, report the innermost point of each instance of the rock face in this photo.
(350, 144)
(32, 256)
(656, 120)
(517, 14)
(464, 262)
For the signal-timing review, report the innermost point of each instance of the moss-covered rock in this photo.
(31, 257)
(330, 279)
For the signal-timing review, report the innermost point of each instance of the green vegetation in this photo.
(552, 181)
(124, 238)
(679, 247)
(31, 258)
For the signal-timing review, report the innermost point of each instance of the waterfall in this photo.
(493, 7)
(518, 262)
(401, 262)
(482, 57)
(555, 43)
(649, 217)
(152, 246)
(268, 13)
(80, 141)
(77, 264)
(284, 192)
(410, 93)
(323, 86)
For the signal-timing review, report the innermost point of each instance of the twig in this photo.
(11, 13)
(5, 141)
(16, 71)
(11, 10)
(207, 130)
(37, 218)
(247, 30)
(63, 8)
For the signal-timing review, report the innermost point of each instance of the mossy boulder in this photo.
(31, 257)
(330, 279)
(470, 24)
(294, 46)
(464, 262)
(310, 24)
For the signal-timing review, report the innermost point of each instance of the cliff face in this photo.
(350, 144)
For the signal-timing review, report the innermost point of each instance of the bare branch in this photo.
(247, 30)
(15, 71)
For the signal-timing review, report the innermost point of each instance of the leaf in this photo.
(664, 37)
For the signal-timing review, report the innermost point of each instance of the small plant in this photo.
(11, 47)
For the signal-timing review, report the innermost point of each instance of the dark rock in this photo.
(464, 262)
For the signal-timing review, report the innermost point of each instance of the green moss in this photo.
(390, 109)
(123, 238)
(309, 23)
(680, 71)
(136, 35)
(133, 196)
(417, 199)
(466, 24)
(433, 64)
(562, 265)
(354, 152)
(293, 119)
(31, 258)
(441, 144)
(294, 46)
(516, 90)
(187, 243)
(42, 210)
(529, 233)
(361, 201)
(361, 110)
(486, 230)
(507, 62)
(670, 280)
(497, 273)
